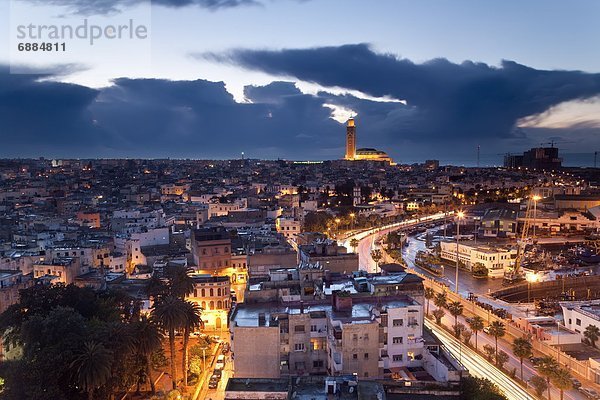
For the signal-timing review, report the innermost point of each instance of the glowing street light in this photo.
(460, 215)
(531, 278)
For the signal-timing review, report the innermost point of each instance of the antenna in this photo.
(595, 159)
(478, 149)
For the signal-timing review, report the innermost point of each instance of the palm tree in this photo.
(476, 325)
(455, 308)
(92, 367)
(547, 367)
(428, 293)
(440, 300)
(149, 339)
(181, 283)
(376, 255)
(497, 330)
(592, 334)
(192, 321)
(562, 380)
(522, 348)
(438, 313)
(354, 244)
(169, 314)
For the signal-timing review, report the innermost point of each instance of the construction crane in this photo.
(515, 275)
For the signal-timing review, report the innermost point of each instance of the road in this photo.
(478, 366)
(474, 362)
(484, 371)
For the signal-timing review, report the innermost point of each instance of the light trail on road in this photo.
(479, 366)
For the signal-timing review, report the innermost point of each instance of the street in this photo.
(476, 363)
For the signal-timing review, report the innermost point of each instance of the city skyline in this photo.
(528, 76)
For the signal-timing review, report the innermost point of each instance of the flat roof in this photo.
(246, 315)
(281, 385)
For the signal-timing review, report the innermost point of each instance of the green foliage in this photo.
(317, 221)
(501, 359)
(466, 336)
(438, 313)
(539, 384)
(440, 300)
(592, 333)
(480, 389)
(74, 340)
(489, 351)
(479, 270)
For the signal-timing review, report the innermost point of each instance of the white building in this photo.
(495, 259)
(581, 314)
(289, 227)
(403, 326)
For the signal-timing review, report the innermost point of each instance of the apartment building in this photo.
(211, 250)
(343, 336)
(212, 293)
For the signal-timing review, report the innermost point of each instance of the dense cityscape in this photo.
(299, 200)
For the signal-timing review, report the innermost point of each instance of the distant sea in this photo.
(494, 160)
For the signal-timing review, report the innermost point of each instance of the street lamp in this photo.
(337, 226)
(531, 278)
(352, 215)
(536, 198)
(460, 215)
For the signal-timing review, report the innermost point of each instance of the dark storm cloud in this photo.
(44, 114)
(89, 7)
(161, 118)
(459, 100)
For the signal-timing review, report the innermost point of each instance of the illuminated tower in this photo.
(350, 140)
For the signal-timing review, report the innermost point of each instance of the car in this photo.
(535, 360)
(213, 384)
(225, 348)
(220, 362)
(576, 383)
(217, 373)
(486, 329)
(590, 393)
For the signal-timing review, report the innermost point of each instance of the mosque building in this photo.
(367, 154)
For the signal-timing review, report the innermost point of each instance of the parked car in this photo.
(535, 360)
(217, 373)
(225, 348)
(576, 383)
(486, 329)
(590, 393)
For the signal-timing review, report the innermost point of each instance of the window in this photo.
(354, 336)
(397, 357)
(366, 356)
(299, 347)
(577, 322)
(313, 328)
(398, 340)
(318, 364)
(299, 365)
(355, 356)
(366, 336)
(299, 328)
(398, 322)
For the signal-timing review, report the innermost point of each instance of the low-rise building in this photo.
(213, 294)
(330, 255)
(495, 259)
(581, 314)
